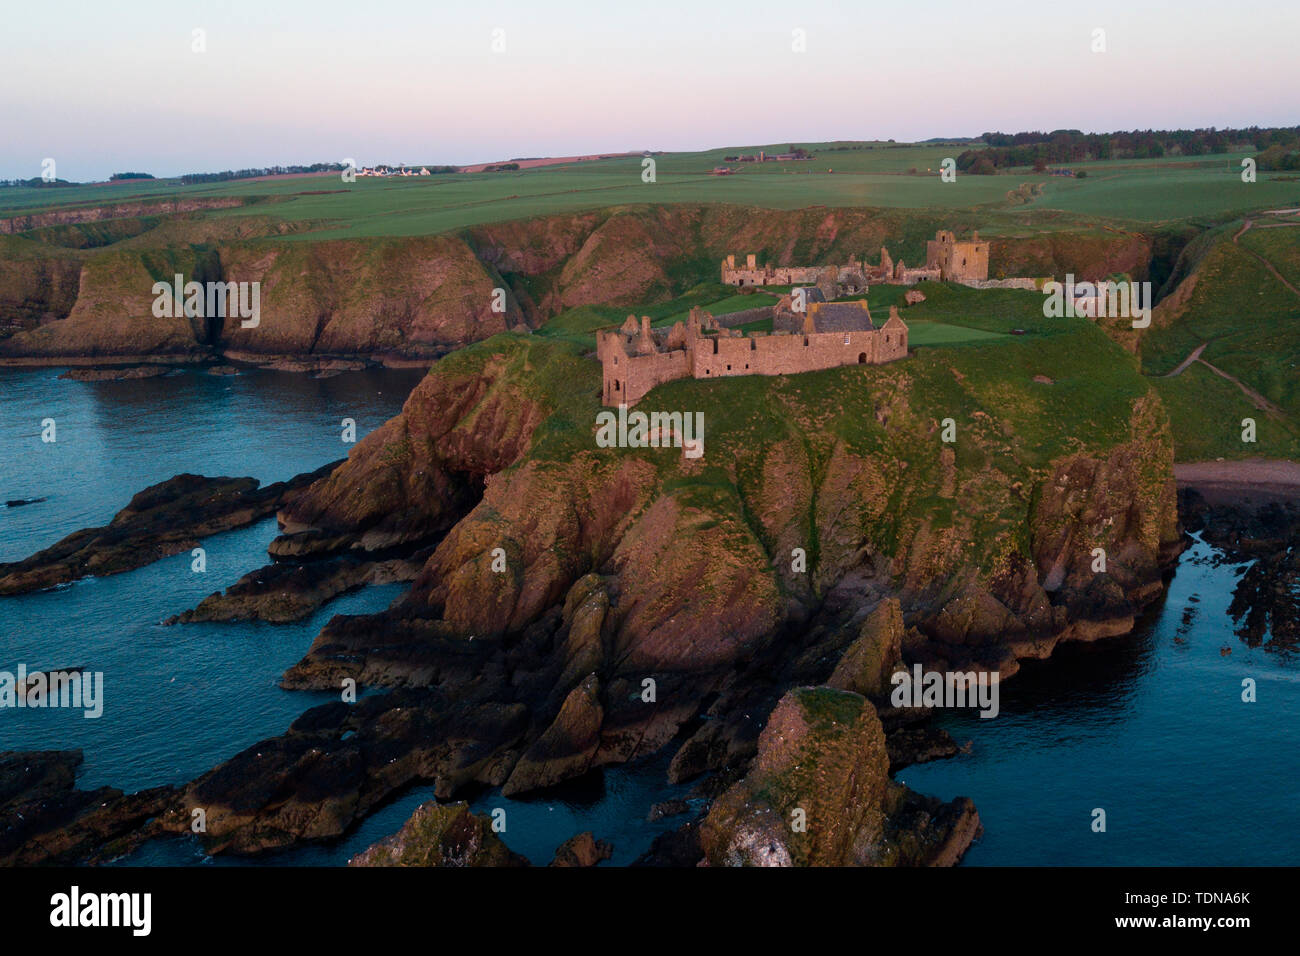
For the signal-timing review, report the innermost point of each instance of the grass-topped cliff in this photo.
(1061, 447)
(562, 576)
(84, 291)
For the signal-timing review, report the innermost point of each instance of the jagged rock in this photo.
(668, 808)
(867, 665)
(47, 821)
(582, 850)
(164, 519)
(680, 847)
(819, 794)
(440, 834)
(585, 610)
(567, 747)
(115, 374)
(285, 592)
(33, 774)
(338, 762)
(908, 746)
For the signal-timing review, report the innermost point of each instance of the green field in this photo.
(875, 175)
(921, 332)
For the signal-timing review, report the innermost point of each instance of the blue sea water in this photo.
(1149, 727)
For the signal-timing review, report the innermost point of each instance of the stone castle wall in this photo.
(784, 354)
(627, 379)
(777, 275)
(744, 316)
(1031, 284)
(633, 364)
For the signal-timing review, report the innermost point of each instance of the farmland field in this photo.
(871, 175)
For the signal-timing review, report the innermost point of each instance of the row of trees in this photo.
(1073, 146)
(36, 182)
(191, 179)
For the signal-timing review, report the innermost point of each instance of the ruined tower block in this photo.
(957, 261)
(886, 262)
(731, 262)
(751, 261)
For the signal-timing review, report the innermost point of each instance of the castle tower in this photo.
(751, 261)
(646, 342)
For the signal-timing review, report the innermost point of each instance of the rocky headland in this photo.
(573, 607)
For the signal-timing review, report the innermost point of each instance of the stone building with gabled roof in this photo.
(635, 358)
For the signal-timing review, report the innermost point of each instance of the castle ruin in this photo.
(958, 261)
(636, 358)
(947, 259)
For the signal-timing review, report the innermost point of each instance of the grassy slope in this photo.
(1251, 323)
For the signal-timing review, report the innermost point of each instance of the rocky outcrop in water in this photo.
(1261, 527)
(818, 793)
(445, 835)
(48, 821)
(289, 591)
(581, 607)
(164, 519)
(582, 850)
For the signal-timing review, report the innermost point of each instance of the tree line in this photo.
(1074, 146)
(190, 179)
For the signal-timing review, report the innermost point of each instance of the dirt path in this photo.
(1256, 399)
(1267, 265)
(1182, 366)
